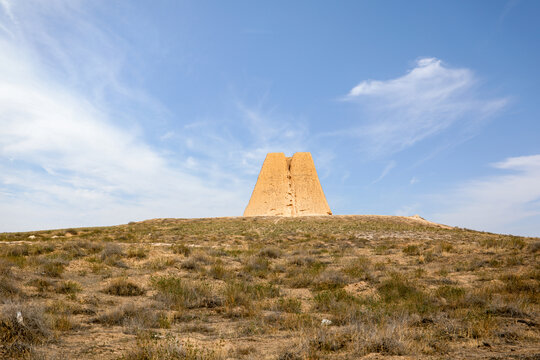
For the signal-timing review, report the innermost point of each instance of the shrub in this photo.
(181, 249)
(330, 340)
(111, 252)
(302, 261)
(270, 252)
(91, 247)
(218, 271)
(160, 263)
(344, 307)
(69, 287)
(137, 252)
(190, 264)
(22, 326)
(399, 290)
(358, 268)
(8, 289)
(41, 285)
(329, 280)
(242, 293)
(534, 247)
(257, 266)
(14, 251)
(53, 268)
(452, 294)
(289, 305)
(63, 323)
(133, 316)
(170, 349)
(411, 250)
(179, 293)
(122, 287)
(5, 267)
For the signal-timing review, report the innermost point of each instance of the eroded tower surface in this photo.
(288, 186)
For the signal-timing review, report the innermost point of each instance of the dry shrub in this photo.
(40, 284)
(331, 339)
(83, 247)
(63, 323)
(242, 292)
(181, 249)
(135, 317)
(181, 294)
(397, 290)
(69, 287)
(8, 289)
(344, 307)
(5, 267)
(191, 264)
(454, 295)
(296, 322)
(218, 271)
(388, 338)
(14, 251)
(534, 247)
(160, 263)
(358, 268)
(329, 279)
(52, 267)
(137, 252)
(303, 261)
(22, 326)
(111, 252)
(170, 349)
(270, 252)
(257, 266)
(289, 305)
(123, 287)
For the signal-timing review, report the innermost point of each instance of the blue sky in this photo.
(116, 111)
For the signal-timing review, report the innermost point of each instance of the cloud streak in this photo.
(72, 147)
(501, 202)
(427, 100)
(65, 162)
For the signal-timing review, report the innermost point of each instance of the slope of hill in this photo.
(340, 287)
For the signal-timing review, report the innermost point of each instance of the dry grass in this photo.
(123, 287)
(254, 288)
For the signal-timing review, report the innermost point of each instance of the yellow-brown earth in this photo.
(340, 287)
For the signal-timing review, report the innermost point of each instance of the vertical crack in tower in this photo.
(291, 199)
(287, 186)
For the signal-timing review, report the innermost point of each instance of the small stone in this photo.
(32, 237)
(20, 318)
(326, 322)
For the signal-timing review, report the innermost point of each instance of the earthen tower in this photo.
(288, 186)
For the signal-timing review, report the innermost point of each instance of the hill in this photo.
(340, 287)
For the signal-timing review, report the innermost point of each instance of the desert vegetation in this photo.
(341, 287)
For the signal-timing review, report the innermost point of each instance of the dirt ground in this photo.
(334, 287)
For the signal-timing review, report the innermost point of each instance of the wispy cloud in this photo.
(499, 202)
(385, 171)
(428, 99)
(64, 161)
(73, 150)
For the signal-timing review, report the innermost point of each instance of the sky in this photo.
(119, 111)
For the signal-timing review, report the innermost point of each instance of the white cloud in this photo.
(499, 203)
(64, 161)
(72, 147)
(385, 171)
(430, 98)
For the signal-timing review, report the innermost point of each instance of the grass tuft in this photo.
(123, 287)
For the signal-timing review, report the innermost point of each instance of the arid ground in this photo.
(339, 287)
